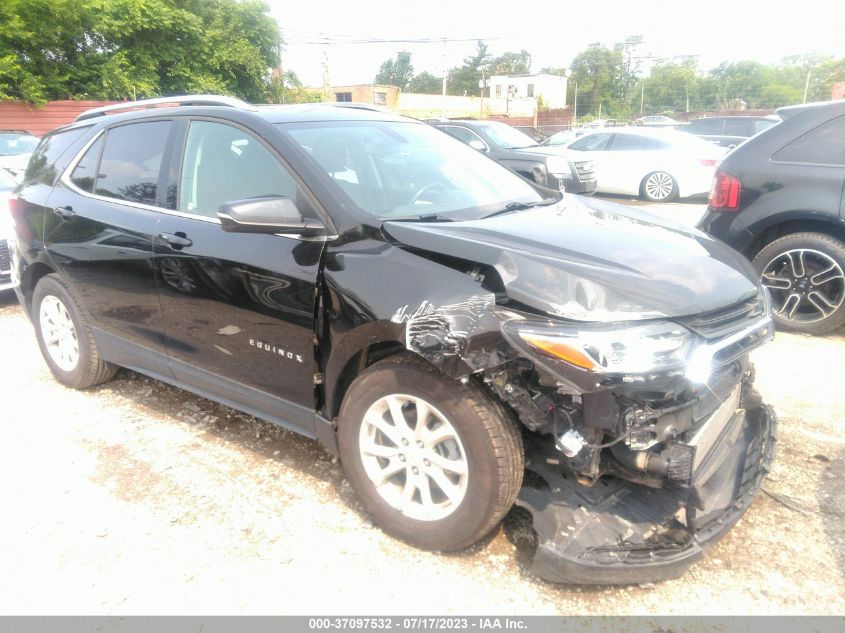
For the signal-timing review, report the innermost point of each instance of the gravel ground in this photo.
(138, 498)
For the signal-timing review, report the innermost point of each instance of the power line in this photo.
(421, 40)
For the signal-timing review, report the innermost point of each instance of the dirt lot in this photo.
(138, 498)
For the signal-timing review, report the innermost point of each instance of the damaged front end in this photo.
(642, 457)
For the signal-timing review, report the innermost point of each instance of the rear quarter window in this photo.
(51, 156)
(823, 145)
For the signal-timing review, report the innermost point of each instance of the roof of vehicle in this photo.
(762, 117)
(468, 122)
(834, 107)
(189, 104)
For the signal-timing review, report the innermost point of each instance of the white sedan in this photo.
(658, 165)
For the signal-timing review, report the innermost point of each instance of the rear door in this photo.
(238, 308)
(100, 237)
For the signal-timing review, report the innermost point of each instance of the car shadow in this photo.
(831, 499)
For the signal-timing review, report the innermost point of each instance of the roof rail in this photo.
(359, 106)
(184, 100)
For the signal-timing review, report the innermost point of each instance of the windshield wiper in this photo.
(520, 206)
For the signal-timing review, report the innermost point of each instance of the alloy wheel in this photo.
(659, 185)
(58, 333)
(806, 285)
(414, 457)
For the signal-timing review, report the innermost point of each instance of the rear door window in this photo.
(131, 162)
(824, 145)
(461, 133)
(706, 126)
(737, 127)
(629, 143)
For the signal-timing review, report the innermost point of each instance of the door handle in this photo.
(175, 241)
(65, 213)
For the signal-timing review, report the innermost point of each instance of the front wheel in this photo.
(435, 462)
(805, 274)
(659, 186)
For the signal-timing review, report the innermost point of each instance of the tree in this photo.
(116, 49)
(396, 72)
(466, 79)
(426, 83)
(510, 63)
(597, 71)
(289, 89)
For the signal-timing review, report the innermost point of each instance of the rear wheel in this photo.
(805, 274)
(435, 463)
(64, 337)
(659, 186)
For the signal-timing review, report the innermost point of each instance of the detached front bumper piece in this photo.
(618, 532)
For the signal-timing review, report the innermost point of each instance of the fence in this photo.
(39, 120)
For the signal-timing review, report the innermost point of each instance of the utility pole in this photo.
(642, 95)
(807, 86)
(599, 109)
(482, 85)
(575, 107)
(445, 79)
(281, 74)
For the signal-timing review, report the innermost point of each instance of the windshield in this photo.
(14, 144)
(508, 137)
(397, 170)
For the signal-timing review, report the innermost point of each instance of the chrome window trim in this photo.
(67, 182)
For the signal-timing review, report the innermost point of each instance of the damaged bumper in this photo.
(618, 532)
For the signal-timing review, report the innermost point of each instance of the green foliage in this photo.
(510, 63)
(115, 49)
(466, 79)
(290, 90)
(396, 72)
(426, 83)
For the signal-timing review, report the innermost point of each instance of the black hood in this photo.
(589, 260)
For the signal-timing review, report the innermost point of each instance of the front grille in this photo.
(721, 323)
(585, 170)
(5, 259)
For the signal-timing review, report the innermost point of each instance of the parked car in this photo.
(778, 199)
(729, 131)
(544, 165)
(15, 149)
(657, 120)
(432, 318)
(565, 137)
(657, 165)
(7, 184)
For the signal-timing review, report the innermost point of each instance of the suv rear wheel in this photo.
(64, 337)
(804, 273)
(435, 462)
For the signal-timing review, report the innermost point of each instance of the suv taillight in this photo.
(724, 196)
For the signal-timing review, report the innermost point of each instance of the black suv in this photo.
(778, 199)
(440, 323)
(729, 131)
(545, 165)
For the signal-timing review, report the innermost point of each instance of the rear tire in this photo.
(393, 467)
(659, 186)
(64, 337)
(805, 274)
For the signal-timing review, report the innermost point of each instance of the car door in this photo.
(594, 147)
(100, 238)
(238, 307)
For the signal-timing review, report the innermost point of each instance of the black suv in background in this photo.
(440, 323)
(544, 165)
(729, 131)
(778, 199)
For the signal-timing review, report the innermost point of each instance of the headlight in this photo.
(558, 165)
(606, 349)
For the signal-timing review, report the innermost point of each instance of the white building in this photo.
(551, 88)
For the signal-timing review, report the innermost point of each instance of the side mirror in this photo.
(477, 144)
(267, 214)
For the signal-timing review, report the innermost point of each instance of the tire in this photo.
(486, 438)
(659, 186)
(805, 274)
(55, 310)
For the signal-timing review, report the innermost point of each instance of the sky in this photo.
(552, 31)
